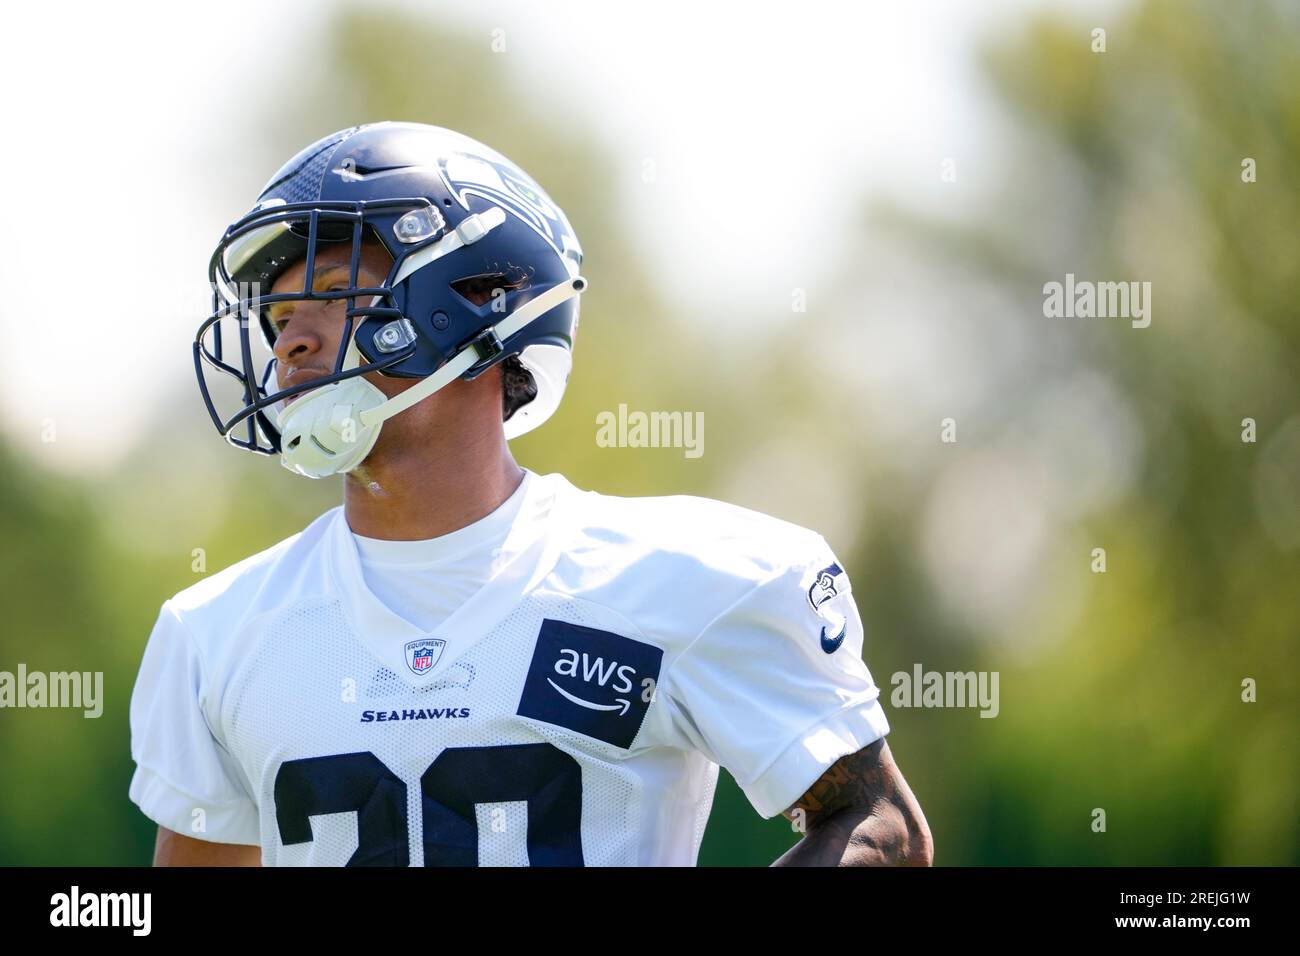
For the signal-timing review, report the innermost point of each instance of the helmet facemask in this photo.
(334, 428)
(247, 263)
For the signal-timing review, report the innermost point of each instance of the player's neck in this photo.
(416, 495)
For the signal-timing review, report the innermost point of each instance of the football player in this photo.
(469, 663)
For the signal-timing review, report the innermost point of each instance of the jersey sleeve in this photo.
(774, 689)
(180, 766)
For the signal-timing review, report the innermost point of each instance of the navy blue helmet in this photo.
(450, 211)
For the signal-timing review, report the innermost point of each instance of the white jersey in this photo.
(573, 711)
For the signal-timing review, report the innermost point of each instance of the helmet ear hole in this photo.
(480, 289)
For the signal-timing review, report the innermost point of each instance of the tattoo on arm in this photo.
(860, 812)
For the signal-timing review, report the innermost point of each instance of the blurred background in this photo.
(828, 230)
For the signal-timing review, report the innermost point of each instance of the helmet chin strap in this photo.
(330, 430)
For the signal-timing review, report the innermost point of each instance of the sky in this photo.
(114, 119)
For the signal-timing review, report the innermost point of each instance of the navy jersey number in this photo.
(541, 775)
(342, 782)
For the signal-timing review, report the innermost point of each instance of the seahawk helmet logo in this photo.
(823, 586)
(465, 174)
(422, 655)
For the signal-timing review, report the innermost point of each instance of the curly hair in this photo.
(517, 386)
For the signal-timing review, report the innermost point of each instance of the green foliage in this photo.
(1119, 691)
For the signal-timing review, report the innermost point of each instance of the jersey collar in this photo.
(533, 545)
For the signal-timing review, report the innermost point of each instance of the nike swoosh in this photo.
(832, 644)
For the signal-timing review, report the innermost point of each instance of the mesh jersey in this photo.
(574, 711)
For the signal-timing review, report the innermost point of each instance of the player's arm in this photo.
(174, 849)
(861, 812)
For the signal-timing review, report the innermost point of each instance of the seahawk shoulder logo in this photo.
(823, 586)
(829, 583)
(423, 654)
(597, 683)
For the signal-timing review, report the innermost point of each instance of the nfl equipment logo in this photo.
(422, 655)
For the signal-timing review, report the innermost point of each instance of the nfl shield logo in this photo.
(422, 655)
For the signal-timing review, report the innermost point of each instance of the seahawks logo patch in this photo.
(829, 583)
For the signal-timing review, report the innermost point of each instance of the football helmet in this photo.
(449, 210)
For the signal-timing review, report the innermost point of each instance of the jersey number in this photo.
(542, 775)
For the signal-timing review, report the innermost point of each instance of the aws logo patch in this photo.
(594, 682)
